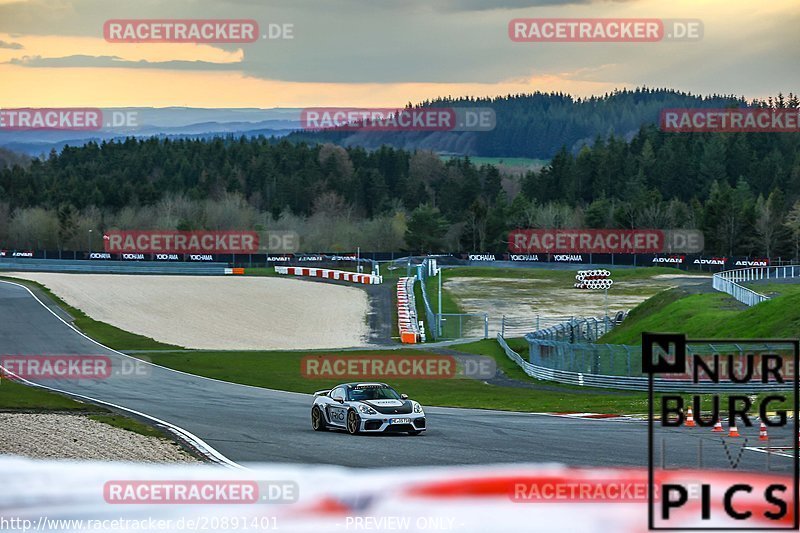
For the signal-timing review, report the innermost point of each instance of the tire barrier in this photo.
(593, 279)
(367, 279)
(407, 322)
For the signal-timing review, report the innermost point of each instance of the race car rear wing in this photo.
(322, 392)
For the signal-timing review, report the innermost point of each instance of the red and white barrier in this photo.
(529, 498)
(407, 312)
(368, 279)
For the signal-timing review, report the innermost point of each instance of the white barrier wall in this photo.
(407, 320)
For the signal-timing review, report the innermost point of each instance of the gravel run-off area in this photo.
(219, 312)
(524, 299)
(75, 436)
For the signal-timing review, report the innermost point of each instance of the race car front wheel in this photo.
(353, 423)
(317, 422)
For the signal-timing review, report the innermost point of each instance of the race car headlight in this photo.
(417, 408)
(367, 410)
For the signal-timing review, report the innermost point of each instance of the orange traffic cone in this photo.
(717, 427)
(762, 432)
(732, 431)
(690, 419)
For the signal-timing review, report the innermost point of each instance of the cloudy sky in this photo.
(382, 52)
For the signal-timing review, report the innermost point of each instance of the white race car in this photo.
(366, 408)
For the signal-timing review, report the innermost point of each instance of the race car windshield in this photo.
(373, 393)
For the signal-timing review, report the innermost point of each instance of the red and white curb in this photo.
(368, 279)
(591, 416)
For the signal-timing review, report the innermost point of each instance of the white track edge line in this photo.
(82, 334)
(200, 443)
(194, 439)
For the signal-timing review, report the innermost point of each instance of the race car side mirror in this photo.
(404, 396)
(339, 399)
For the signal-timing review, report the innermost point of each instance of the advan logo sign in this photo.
(713, 261)
(753, 263)
(671, 260)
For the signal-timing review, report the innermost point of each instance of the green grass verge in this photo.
(709, 315)
(270, 271)
(104, 333)
(17, 396)
(128, 424)
(774, 289)
(449, 304)
(282, 370)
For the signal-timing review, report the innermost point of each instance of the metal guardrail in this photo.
(520, 326)
(430, 316)
(576, 330)
(727, 281)
(112, 267)
(463, 325)
(635, 380)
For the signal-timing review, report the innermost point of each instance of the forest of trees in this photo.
(741, 189)
(538, 125)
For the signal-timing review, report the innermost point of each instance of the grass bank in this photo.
(282, 371)
(710, 315)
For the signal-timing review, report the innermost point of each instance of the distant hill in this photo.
(533, 125)
(170, 122)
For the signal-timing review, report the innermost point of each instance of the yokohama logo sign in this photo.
(178, 242)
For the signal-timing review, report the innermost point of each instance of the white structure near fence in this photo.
(729, 281)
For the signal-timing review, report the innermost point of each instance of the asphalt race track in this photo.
(247, 424)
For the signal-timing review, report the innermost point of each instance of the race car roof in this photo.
(365, 385)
